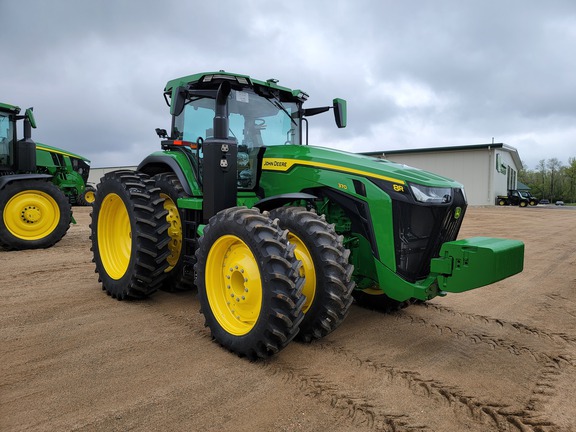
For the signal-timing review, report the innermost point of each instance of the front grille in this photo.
(420, 230)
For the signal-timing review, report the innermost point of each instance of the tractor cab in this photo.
(18, 156)
(257, 114)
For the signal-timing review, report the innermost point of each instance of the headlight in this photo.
(430, 194)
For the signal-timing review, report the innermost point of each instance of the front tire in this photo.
(129, 235)
(35, 214)
(328, 285)
(87, 197)
(248, 283)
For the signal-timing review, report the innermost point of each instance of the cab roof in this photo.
(239, 78)
(9, 108)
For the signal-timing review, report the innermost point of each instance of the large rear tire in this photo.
(171, 189)
(248, 283)
(35, 214)
(328, 285)
(129, 235)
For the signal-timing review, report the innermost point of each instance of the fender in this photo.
(155, 164)
(7, 179)
(276, 201)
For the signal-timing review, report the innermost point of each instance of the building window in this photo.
(500, 167)
(511, 177)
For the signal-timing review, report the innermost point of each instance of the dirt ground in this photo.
(499, 358)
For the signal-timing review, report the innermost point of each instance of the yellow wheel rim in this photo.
(307, 270)
(114, 236)
(233, 285)
(31, 215)
(89, 197)
(175, 232)
(373, 291)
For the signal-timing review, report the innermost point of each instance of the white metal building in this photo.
(97, 173)
(485, 170)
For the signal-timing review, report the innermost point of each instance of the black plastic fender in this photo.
(10, 178)
(154, 164)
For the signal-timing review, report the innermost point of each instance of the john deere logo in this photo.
(457, 212)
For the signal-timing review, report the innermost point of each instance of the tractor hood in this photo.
(283, 158)
(52, 149)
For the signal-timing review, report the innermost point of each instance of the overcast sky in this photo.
(416, 74)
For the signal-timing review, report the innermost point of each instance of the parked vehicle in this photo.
(559, 203)
(34, 211)
(514, 197)
(544, 201)
(277, 235)
(532, 200)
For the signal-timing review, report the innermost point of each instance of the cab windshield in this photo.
(6, 137)
(254, 121)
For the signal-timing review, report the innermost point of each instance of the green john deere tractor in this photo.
(69, 172)
(278, 236)
(35, 213)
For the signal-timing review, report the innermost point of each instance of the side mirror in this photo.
(30, 116)
(340, 114)
(178, 101)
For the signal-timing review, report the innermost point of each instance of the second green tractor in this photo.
(279, 236)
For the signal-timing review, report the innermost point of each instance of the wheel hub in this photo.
(31, 214)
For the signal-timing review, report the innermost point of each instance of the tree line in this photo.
(551, 180)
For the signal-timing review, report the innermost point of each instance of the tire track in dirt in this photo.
(565, 338)
(556, 303)
(503, 417)
(361, 410)
(553, 366)
(354, 407)
(349, 406)
(545, 387)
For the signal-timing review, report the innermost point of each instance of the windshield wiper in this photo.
(276, 102)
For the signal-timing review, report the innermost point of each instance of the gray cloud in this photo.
(415, 73)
